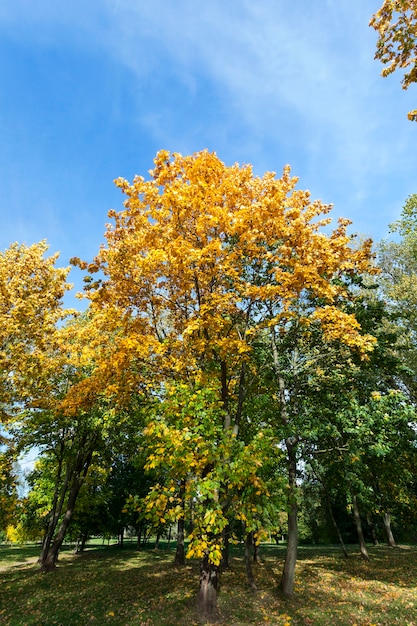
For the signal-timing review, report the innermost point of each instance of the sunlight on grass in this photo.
(130, 588)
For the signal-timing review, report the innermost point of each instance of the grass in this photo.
(124, 587)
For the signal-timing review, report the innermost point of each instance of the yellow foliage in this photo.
(196, 250)
(396, 25)
(31, 292)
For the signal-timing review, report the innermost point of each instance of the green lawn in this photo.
(113, 586)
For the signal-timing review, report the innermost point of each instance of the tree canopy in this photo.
(396, 25)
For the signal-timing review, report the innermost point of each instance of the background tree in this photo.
(31, 306)
(9, 497)
(396, 25)
(398, 262)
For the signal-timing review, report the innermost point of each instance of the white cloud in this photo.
(296, 74)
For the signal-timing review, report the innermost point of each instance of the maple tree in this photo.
(70, 436)
(31, 307)
(204, 261)
(396, 25)
(31, 293)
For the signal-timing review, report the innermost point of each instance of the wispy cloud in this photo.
(268, 82)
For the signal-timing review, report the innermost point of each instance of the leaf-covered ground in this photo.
(125, 587)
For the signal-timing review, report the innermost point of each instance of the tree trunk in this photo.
(288, 574)
(139, 535)
(83, 541)
(225, 550)
(55, 513)
(256, 557)
(387, 525)
(358, 524)
(207, 592)
(179, 560)
(336, 526)
(50, 557)
(77, 545)
(372, 529)
(248, 564)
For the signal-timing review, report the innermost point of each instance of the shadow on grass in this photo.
(110, 586)
(125, 587)
(12, 554)
(386, 565)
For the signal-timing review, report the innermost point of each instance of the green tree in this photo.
(9, 498)
(398, 262)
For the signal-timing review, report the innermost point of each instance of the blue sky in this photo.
(91, 90)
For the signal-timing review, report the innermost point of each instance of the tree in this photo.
(396, 25)
(8, 489)
(31, 293)
(207, 476)
(204, 261)
(71, 434)
(398, 262)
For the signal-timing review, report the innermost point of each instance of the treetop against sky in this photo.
(92, 92)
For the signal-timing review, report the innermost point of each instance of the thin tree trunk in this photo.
(359, 530)
(372, 529)
(248, 563)
(256, 557)
(225, 550)
(139, 535)
(336, 526)
(386, 518)
(208, 588)
(179, 560)
(77, 545)
(84, 541)
(288, 574)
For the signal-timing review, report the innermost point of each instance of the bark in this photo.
(288, 574)
(359, 530)
(256, 557)
(336, 526)
(386, 518)
(77, 545)
(208, 588)
(179, 560)
(139, 536)
(158, 539)
(57, 506)
(50, 557)
(83, 541)
(248, 563)
(225, 550)
(372, 529)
